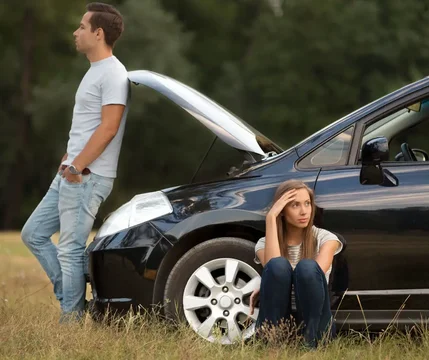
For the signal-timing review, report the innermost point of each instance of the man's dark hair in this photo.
(108, 18)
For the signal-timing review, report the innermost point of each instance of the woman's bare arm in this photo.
(272, 247)
(326, 254)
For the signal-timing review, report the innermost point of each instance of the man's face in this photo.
(85, 39)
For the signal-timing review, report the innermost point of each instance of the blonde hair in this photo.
(309, 243)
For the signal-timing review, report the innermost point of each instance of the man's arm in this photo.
(114, 94)
(111, 116)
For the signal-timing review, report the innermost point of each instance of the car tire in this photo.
(214, 255)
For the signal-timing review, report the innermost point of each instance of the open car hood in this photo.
(225, 125)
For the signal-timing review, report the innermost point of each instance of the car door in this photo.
(383, 271)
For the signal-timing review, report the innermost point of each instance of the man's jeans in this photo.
(311, 296)
(71, 209)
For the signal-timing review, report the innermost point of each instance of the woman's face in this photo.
(298, 212)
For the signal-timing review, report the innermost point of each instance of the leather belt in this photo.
(85, 171)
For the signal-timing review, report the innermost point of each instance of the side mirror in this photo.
(375, 151)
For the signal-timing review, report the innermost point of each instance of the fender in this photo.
(222, 217)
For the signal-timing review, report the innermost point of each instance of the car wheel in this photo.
(210, 287)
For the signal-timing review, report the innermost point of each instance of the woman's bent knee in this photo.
(308, 268)
(278, 267)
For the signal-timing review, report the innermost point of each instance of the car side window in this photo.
(334, 152)
(415, 136)
(408, 125)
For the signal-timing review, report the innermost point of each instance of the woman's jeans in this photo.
(69, 208)
(311, 296)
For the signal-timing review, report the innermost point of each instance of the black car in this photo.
(192, 246)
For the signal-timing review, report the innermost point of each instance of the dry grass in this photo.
(29, 329)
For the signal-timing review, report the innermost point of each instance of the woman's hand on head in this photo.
(272, 246)
(280, 204)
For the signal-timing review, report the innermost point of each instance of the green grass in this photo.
(29, 329)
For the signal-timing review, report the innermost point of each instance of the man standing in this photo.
(88, 169)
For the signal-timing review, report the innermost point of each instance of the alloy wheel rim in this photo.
(216, 300)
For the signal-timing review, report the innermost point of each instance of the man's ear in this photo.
(99, 33)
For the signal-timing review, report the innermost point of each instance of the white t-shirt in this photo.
(294, 252)
(105, 83)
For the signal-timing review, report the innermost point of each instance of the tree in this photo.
(27, 37)
(322, 60)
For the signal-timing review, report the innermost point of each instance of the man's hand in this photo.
(61, 162)
(70, 177)
(253, 300)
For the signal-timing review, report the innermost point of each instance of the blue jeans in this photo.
(311, 295)
(69, 208)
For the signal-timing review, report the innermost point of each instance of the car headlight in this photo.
(141, 208)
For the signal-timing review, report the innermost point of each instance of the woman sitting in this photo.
(297, 260)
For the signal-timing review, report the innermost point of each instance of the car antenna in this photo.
(204, 159)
